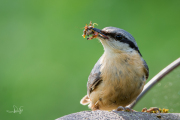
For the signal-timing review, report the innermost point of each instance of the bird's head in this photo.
(115, 39)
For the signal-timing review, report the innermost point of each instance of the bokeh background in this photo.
(45, 62)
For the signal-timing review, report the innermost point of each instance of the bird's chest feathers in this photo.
(121, 68)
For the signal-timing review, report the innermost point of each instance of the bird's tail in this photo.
(85, 100)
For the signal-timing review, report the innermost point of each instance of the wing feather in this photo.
(146, 68)
(94, 77)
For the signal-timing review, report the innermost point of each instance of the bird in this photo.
(119, 75)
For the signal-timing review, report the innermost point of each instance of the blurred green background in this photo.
(45, 62)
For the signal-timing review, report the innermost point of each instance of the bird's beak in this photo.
(100, 33)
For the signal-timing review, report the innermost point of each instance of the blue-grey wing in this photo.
(94, 77)
(146, 68)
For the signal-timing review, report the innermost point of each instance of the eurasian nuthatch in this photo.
(119, 75)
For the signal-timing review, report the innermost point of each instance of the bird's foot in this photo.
(126, 109)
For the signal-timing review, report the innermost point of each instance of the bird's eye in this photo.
(119, 37)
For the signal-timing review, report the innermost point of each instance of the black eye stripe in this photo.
(124, 40)
(119, 37)
(113, 35)
(109, 34)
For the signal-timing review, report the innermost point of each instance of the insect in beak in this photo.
(90, 30)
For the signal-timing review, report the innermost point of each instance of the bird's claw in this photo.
(126, 109)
